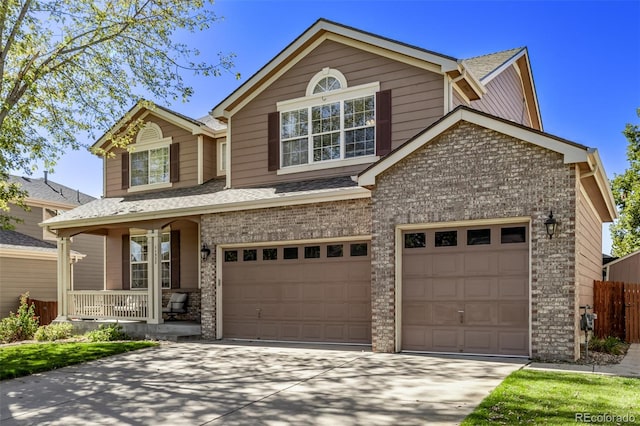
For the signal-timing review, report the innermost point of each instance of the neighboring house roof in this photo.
(606, 259)
(620, 259)
(46, 191)
(324, 29)
(17, 244)
(206, 125)
(572, 152)
(210, 197)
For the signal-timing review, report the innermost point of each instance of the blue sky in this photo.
(585, 57)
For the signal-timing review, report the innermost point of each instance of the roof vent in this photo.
(46, 173)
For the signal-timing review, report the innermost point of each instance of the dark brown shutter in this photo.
(174, 163)
(126, 257)
(274, 141)
(383, 122)
(125, 170)
(175, 259)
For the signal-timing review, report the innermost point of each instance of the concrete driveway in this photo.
(246, 384)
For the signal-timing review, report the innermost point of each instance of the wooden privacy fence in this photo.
(617, 305)
(47, 311)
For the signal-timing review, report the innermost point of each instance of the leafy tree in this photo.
(625, 232)
(70, 67)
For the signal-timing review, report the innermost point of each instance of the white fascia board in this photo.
(328, 196)
(572, 154)
(603, 183)
(26, 253)
(333, 32)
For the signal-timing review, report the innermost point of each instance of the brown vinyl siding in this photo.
(417, 102)
(114, 259)
(209, 158)
(38, 277)
(30, 220)
(588, 249)
(505, 98)
(188, 159)
(88, 273)
(626, 270)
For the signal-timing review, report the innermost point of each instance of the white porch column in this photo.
(64, 277)
(154, 285)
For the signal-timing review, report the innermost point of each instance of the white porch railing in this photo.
(109, 304)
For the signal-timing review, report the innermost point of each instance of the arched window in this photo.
(327, 80)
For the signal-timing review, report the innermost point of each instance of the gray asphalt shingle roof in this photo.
(482, 66)
(9, 238)
(210, 194)
(51, 191)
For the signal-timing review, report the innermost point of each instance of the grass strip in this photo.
(30, 358)
(541, 397)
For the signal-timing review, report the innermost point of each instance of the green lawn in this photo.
(22, 360)
(540, 397)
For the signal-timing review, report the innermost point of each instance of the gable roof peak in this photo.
(484, 65)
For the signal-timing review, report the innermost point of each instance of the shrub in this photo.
(21, 325)
(107, 333)
(611, 345)
(53, 332)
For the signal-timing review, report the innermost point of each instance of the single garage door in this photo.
(466, 290)
(310, 292)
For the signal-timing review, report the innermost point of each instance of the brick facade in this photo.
(470, 173)
(305, 222)
(193, 304)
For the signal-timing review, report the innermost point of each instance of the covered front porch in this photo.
(145, 264)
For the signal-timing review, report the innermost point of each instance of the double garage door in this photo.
(465, 290)
(306, 292)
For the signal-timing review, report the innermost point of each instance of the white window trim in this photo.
(326, 72)
(328, 97)
(147, 146)
(138, 233)
(221, 167)
(328, 164)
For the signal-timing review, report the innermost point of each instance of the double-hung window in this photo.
(139, 249)
(332, 123)
(150, 167)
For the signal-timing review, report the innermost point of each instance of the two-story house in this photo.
(357, 189)
(28, 253)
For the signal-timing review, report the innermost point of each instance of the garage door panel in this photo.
(479, 341)
(359, 312)
(513, 288)
(416, 314)
(481, 314)
(513, 314)
(445, 340)
(335, 292)
(474, 296)
(484, 263)
(445, 314)
(358, 291)
(311, 291)
(480, 288)
(446, 264)
(358, 333)
(442, 288)
(290, 292)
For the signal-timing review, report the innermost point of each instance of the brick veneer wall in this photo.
(311, 221)
(467, 173)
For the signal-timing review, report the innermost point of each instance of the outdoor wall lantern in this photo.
(204, 251)
(550, 223)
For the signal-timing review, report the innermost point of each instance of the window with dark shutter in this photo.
(273, 141)
(125, 170)
(126, 278)
(175, 259)
(174, 163)
(383, 122)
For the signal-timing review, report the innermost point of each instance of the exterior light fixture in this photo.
(550, 223)
(205, 251)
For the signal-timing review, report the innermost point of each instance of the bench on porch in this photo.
(177, 305)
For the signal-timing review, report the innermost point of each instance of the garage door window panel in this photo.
(477, 237)
(270, 254)
(312, 252)
(511, 235)
(446, 238)
(231, 255)
(335, 250)
(359, 249)
(249, 255)
(415, 240)
(290, 253)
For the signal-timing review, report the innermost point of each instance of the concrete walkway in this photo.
(222, 383)
(629, 367)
